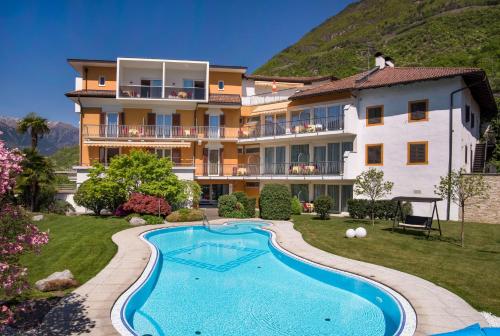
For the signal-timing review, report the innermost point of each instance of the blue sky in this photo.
(36, 38)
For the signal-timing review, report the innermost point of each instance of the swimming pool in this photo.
(235, 280)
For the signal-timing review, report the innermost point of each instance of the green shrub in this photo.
(275, 202)
(97, 194)
(296, 206)
(151, 219)
(185, 215)
(250, 207)
(227, 204)
(384, 209)
(322, 206)
(236, 214)
(59, 206)
(240, 196)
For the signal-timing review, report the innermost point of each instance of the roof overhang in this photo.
(228, 68)
(79, 64)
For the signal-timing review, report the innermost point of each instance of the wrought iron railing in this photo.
(159, 132)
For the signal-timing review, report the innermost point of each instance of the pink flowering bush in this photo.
(10, 167)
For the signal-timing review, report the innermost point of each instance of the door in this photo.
(145, 88)
(213, 162)
(320, 159)
(199, 89)
(333, 158)
(334, 192)
(213, 126)
(268, 125)
(112, 124)
(163, 125)
(319, 119)
(269, 160)
(280, 161)
(333, 118)
(156, 87)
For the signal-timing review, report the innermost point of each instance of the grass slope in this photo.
(414, 33)
(81, 244)
(471, 272)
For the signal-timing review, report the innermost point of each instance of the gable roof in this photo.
(390, 76)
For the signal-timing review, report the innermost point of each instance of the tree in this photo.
(148, 174)
(371, 184)
(35, 125)
(36, 180)
(466, 189)
(10, 167)
(99, 192)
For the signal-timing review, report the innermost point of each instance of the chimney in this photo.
(389, 62)
(379, 60)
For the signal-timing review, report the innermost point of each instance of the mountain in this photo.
(61, 135)
(413, 33)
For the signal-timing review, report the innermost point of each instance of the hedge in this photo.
(185, 215)
(226, 204)
(237, 205)
(384, 209)
(275, 202)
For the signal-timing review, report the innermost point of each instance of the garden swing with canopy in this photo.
(416, 222)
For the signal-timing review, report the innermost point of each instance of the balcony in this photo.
(292, 128)
(293, 170)
(156, 132)
(155, 92)
(162, 80)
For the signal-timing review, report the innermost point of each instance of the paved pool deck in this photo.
(88, 309)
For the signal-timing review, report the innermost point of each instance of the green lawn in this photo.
(81, 244)
(472, 272)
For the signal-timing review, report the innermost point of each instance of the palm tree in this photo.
(37, 178)
(36, 125)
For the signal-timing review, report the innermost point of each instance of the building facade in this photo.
(231, 131)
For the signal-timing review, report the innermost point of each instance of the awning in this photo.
(271, 108)
(138, 144)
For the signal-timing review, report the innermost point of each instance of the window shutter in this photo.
(176, 119)
(221, 161)
(122, 118)
(205, 120)
(222, 122)
(151, 119)
(205, 161)
(102, 124)
(176, 155)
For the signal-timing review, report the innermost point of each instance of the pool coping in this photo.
(437, 309)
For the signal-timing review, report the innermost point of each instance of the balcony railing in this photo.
(313, 126)
(151, 132)
(271, 169)
(155, 92)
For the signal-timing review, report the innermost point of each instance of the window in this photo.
(374, 155)
(467, 113)
(164, 152)
(252, 150)
(417, 153)
(374, 115)
(253, 185)
(102, 81)
(301, 191)
(221, 85)
(347, 192)
(466, 153)
(418, 110)
(299, 153)
(319, 190)
(107, 153)
(472, 120)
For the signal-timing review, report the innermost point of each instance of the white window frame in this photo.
(103, 79)
(223, 85)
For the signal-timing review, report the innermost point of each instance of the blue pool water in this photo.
(232, 280)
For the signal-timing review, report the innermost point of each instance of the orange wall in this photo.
(93, 74)
(232, 82)
(89, 116)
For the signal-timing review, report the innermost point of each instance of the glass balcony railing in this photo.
(314, 126)
(161, 92)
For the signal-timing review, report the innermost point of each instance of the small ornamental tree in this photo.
(322, 206)
(147, 205)
(464, 189)
(371, 184)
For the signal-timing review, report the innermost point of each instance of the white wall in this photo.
(128, 75)
(412, 180)
(175, 77)
(467, 136)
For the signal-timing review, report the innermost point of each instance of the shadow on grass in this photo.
(422, 235)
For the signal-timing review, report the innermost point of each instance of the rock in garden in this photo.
(137, 221)
(37, 218)
(56, 281)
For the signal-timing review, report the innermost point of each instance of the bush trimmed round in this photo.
(322, 206)
(350, 233)
(361, 232)
(275, 202)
